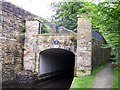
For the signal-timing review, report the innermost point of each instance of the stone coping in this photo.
(56, 34)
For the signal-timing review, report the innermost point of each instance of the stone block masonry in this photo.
(30, 45)
(88, 51)
(84, 47)
(35, 43)
(100, 55)
(0, 46)
(11, 25)
(11, 48)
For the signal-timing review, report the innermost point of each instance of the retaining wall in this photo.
(100, 55)
(11, 38)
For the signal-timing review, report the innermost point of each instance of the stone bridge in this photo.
(47, 53)
(78, 43)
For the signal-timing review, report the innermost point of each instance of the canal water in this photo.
(62, 82)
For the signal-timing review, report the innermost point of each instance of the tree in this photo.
(45, 29)
(105, 18)
(66, 14)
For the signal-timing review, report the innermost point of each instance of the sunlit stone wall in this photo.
(84, 47)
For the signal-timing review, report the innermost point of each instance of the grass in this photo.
(83, 82)
(115, 73)
(86, 81)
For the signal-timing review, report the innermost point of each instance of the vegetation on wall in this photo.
(45, 29)
(43, 26)
(22, 33)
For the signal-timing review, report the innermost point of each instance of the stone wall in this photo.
(12, 19)
(11, 51)
(100, 55)
(17, 11)
(0, 47)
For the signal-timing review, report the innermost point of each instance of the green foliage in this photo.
(22, 28)
(105, 19)
(22, 33)
(45, 28)
(66, 14)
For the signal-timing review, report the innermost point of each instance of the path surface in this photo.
(104, 78)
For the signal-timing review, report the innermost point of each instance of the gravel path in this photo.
(104, 78)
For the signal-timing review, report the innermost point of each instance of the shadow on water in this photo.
(62, 82)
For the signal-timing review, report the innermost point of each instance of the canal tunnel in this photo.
(56, 62)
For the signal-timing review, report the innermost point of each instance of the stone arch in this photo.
(55, 61)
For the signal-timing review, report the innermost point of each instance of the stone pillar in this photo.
(84, 49)
(0, 32)
(30, 45)
(1, 45)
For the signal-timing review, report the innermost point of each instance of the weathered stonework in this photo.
(84, 47)
(11, 23)
(100, 55)
(88, 51)
(11, 51)
(30, 44)
(35, 43)
(0, 46)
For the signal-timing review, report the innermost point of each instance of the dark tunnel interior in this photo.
(57, 63)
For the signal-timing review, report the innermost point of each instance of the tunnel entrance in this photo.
(56, 60)
(57, 63)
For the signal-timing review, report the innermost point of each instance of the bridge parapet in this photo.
(67, 42)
